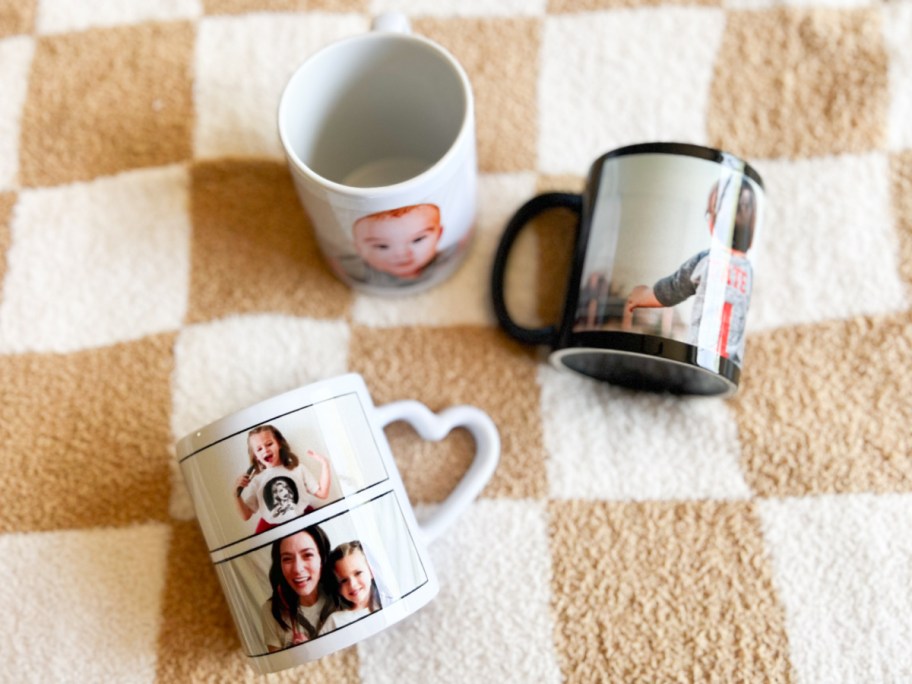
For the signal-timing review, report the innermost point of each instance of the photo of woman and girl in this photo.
(277, 484)
(316, 590)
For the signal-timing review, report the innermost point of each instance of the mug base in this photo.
(642, 371)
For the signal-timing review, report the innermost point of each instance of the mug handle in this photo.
(435, 426)
(528, 211)
(391, 22)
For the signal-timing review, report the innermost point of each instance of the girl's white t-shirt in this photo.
(281, 494)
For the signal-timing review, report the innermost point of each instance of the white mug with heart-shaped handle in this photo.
(306, 519)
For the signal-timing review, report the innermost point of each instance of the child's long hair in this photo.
(285, 601)
(332, 584)
(286, 456)
(742, 233)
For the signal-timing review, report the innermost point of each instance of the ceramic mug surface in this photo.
(379, 134)
(662, 270)
(306, 519)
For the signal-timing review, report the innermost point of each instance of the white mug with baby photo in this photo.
(379, 133)
(662, 274)
(306, 519)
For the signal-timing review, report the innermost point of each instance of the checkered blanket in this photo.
(157, 272)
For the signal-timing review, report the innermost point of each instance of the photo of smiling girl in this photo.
(272, 461)
(351, 583)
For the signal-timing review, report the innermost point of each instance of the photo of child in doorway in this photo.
(719, 278)
(397, 247)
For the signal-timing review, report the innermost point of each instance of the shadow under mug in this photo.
(307, 521)
(661, 278)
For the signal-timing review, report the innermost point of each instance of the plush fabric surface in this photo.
(157, 272)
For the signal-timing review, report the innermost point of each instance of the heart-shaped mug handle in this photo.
(434, 427)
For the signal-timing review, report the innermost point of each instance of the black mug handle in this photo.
(523, 215)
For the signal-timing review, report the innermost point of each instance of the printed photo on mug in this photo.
(671, 259)
(321, 574)
(278, 470)
(662, 274)
(379, 133)
(398, 247)
(323, 577)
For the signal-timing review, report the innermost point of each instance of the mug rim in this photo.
(265, 409)
(685, 149)
(465, 127)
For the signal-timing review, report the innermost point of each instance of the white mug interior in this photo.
(374, 110)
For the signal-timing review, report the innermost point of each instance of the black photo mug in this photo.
(661, 276)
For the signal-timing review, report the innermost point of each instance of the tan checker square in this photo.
(253, 247)
(7, 201)
(98, 453)
(244, 6)
(428, 474)
(850, 376)
(556, 233)
(107, 115)
(198, 641)
(821, 89)
(500, 57)
(441, 367)
(549, 239)
(562, 183)
(665, 592)
(16, 17)
(901, 173)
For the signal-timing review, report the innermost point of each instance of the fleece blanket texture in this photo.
(157, 272)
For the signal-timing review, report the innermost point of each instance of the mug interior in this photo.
(375, 110)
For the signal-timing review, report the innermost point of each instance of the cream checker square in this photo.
(96, 263)
(242, 66)
(77, 581)
(57, 16)
(15, 59)
(227, 365)
(607, 443)
(843, 569)
(828, 247)
(605, 81)
(469, 632)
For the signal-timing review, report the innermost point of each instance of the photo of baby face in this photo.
(399, 242)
